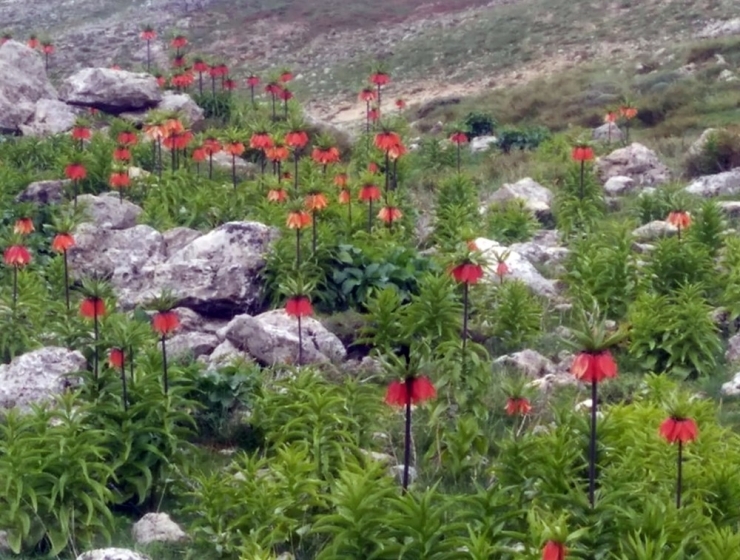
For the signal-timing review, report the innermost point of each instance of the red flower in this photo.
(234, 148)
(161, 81)
(373, 114)
(344, 196)
(62, 242)
(219, 70)
(116, 358)
(368, 94)
(298, 220)
(199, 154)
(17, 256)
(229, 84)
(517, 406)
(628, 112)
(33, 42)
(119, 179)
(47, 48)
(200, 66)
(178, 61)
(127, 138)
(253, 81)
(397, 151)
(75, 171)
(278, 152)
(325, 156)
(400, 104)
(414, 389)
(211, 146)
(316, 202)
(273, 88)
(92, 307)
(380, 78)
(296, 139)
(298, 306)
(682, 430)
(467, 273)
(390, 214)
(285, 94)
(165, 322)
(369, 193)
(679, 219)
(148, 34)
(459, 138)
(286, 76)
(386, 140)
(594, 366)
(372, 167)
(122, 153)
(81, 133)
(179, 42)
(610, 117)
(554, 551)
(277, 195)
(261, 141)
(583, 153)
(340, 180)
(23, 226)
(502, 269)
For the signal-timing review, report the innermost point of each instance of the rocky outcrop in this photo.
(24, 82)
(482, 143)
(543, 249)
(50, 116)
(44, 192)
(38, 376)
(654, 230)
(618, 185)
(111, 91)
(272, 338)
(536, 198)
(607, 132)
(157, 527)
(528, 363)
(732, 354)
(112, 554)
(108, 211)
(726, 183)
(635, 161)
(180, 103)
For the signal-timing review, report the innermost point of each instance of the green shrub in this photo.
(479, 124)
(510, 222)
(720, 152)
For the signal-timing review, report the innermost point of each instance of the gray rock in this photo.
(732, 387)
(179, 237)
(38, 376)
(482, 143)
(111, 91)
(108, 211)
(4, 544)
(527, 362)
(536, 198)
(726, 183)
(272, 338)
(698, 145)
(192, 344)
(732, 354)
(635, 161)
(225, 354)
(654, 230)
(727, 76)
(157, 527)
(44, 192)
(112, 554)
(607, 132)
(50, 117)
(184, 106)
(618, 185)
(396, 471)
(720, 28)
(543, 249)
(519, 267)
(731, 208)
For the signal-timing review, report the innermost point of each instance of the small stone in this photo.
(157, 527)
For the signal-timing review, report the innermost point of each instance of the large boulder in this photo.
(44, 192)
(272, 338)
(519, 267)
(654, 230)
(112, 554)
(184, 106)
(111, 91)
(529, 363)
(607, 132)
(157, 527)
(38, 376)
(51, 116)
(635, 161)
(732, 354)
(482, 143)
(536, 198)
(619, 185)
(726, 183)
(700, 143)
(23, 83)
(543, 249)
(108, 211)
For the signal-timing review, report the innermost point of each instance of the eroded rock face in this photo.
(23, 81)
(654, 230)
(108, 211)
(607, 132)
(38, 376)
(619, 185)
(112, 554)
(157, 527)
(51, 116)
(635, 161)
(528, 362)
(726, 183)
(44, 192)
(536, 198)
(111, 91)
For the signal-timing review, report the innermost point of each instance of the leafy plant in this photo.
(510, 222)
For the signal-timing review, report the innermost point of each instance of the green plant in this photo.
(510, 222)
(676, 262)
(578, 206)
(479, 124)
(515, 315)
(719, 152)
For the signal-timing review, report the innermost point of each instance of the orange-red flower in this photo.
(628, 112)
(679, 219)
(253, 81)
(286, 76)
(554, 551)
(200, 66)
(261, 141)
(92, 307)
(458, 138)
(518, 406)
(75, 171)
(467, 273)
(161, 80)
(369, 193)
(298, 219)
(119, 179)
(178, 42)
(81, 132)
(47, 48)
(682, 430)
(273, 88)
(277, 152)
(116, 358)
(610, 117)
(285, 94)
(127, 138)
(325, 156)
(148, 34)
(17, 256)
(340, 180)
(211, 146)
(199, 154)
(583, 152)
(414, 390)
(33, 42)
(502, 269)
(62, 242)
(401, 104)
(234, 148)
(594, 366)
(386, 140)
(397, 151)
(344, 196)
(368, 94)
(372, 167)
(373, 114)
(122, 153)
(296, 139)
(380, 78)
(298, 306)
(277, 195)
(178, 61)
(23, 226)
(316, 202)
(390, 214)
(165, 322)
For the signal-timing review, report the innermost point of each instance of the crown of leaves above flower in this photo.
(298, 285)
(591, 334)
(165, 301)
(95, 287)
